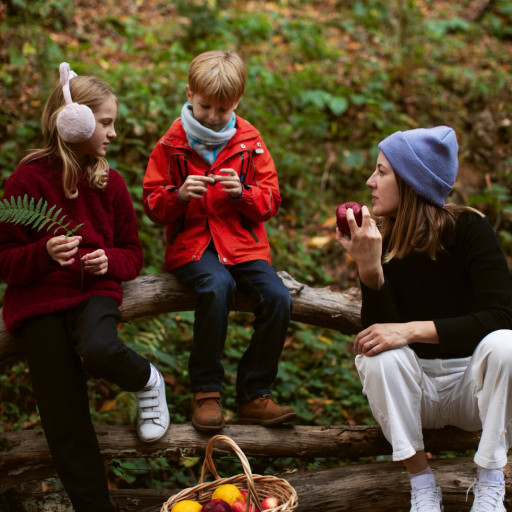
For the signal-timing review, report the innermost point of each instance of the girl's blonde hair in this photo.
(218, 75)
(86, 90)
(419, 227)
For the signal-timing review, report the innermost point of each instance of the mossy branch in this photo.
(26, 212)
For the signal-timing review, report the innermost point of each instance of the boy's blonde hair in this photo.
(86, 90)
(218, 75)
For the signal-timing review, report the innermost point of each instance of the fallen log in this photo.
(25, 454)
(153, 294)
(379, 487)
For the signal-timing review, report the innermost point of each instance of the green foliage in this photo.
(17, 403)
(28, 213)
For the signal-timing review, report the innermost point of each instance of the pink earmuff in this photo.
(75, 122)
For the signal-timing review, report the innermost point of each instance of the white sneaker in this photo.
(153, 418)
(427, 499)
(489, 497)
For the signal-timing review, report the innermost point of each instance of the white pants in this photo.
(407, 394)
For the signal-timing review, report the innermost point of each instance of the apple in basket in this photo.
(341, 216)
(269, 503)
(216, 505)
(239, 506)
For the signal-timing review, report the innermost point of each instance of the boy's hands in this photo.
(230, 182)
(195, 186)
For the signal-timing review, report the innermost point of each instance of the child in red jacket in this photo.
(63, 292)
(212, 181)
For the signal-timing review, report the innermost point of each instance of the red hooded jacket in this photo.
(235, 225)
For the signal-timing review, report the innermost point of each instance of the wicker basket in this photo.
(258, 487)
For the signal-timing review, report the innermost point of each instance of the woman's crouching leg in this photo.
(392, 381)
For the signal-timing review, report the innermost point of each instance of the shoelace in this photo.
(148, 404)
(487, 496)
(425, 500)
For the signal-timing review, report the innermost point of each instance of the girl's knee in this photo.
(97, 357)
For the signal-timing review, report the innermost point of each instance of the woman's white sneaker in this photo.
(153, 417)
(427, 499)
(489, 497)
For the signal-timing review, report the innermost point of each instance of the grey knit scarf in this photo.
(207, 143)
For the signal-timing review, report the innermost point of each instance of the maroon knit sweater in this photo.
(36, 284)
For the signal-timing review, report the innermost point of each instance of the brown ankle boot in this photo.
(264, 411)
(206, 411)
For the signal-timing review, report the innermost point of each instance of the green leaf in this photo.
(23, 211)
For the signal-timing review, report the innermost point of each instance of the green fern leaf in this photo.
(41, 206)
(23, 211)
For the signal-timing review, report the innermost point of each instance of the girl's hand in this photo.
(96, 262)
(61, 249)
(194, 187)
(365, 247)
(230, 181)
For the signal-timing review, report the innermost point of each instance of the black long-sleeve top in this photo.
(466, 292)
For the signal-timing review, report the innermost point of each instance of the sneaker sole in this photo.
(153, 440)
(267, 423)
(207, 428)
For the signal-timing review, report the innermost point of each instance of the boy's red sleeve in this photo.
(160, 190)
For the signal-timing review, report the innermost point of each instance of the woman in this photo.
(435, 349)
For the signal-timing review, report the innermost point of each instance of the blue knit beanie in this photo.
(426, 159)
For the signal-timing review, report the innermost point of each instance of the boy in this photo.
(212, 181)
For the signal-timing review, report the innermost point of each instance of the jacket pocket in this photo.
(247, 225)
(180, 227)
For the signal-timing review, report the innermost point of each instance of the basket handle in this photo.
(209, 465)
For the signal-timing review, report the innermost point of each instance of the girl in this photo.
(63, 292)
(437, 315)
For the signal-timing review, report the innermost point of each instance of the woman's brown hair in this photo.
(419, 226)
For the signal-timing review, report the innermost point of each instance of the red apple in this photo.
(239, 506)
(269, 503)
(341, 216)
(216, 505)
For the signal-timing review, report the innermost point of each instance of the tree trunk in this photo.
(375, 487)
(25, 454)
(163, 293)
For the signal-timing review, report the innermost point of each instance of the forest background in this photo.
(327, 81)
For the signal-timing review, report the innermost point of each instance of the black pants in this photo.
(59, 348)
(215, 285)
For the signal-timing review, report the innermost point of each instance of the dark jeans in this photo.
(215, 285)
(59, 347)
